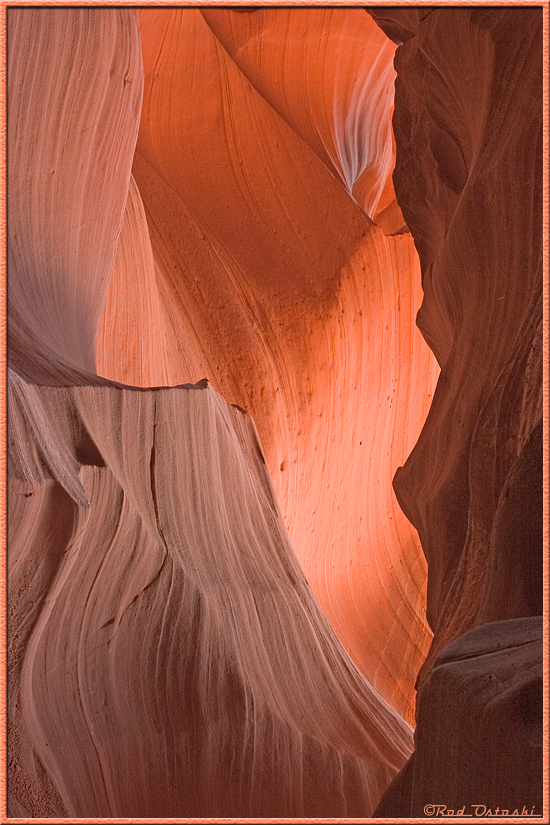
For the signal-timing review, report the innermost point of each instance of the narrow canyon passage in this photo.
(217, 606)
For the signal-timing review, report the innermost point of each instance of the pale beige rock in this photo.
(168, 656)
(74, 86)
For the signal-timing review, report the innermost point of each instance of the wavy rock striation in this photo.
(209, 619)
(329, 73)
(473, 483)
(276, 285)
(169, 624)
(468, 128)
(72, 129)
(167, 654)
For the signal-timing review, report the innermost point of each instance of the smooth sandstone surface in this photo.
(217, 607)
(73, 122)
(329, 73)
(469, 177)
(479, 739)
(276, 286)
(167, 653)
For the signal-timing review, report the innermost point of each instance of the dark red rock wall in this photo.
(479, 737)
(468, 177)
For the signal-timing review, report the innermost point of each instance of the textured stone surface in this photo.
(167, 656)
(273, 283)
(74, 114)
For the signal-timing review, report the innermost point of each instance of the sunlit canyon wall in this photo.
(216, 605)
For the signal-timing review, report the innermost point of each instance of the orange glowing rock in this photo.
(276, 286)
(179, 645)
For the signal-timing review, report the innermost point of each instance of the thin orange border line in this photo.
(4, 5)
(3, 467)
(545, 405)
(275, 3)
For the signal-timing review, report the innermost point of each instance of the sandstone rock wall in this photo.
(468, 177)
(216, 605)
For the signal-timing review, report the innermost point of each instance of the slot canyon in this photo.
(275, 411)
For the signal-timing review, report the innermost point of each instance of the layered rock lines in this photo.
(217, 606)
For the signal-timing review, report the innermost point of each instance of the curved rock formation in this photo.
(172, 658)
(72, 129)
(274, 284)
(216, 606)
(479, 739)
(329, 73)
(167, 655)
(468, 127)
(473, 483)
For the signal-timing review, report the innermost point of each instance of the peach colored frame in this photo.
(4, 5)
